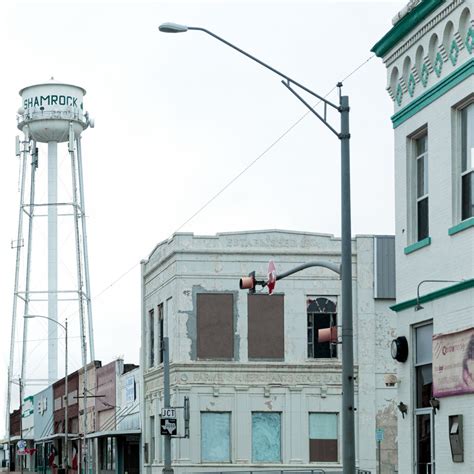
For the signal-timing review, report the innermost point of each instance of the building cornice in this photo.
(405, 25)
(449, 290)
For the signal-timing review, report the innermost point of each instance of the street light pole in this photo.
(167, 469)
(348, 437)
(66, 388)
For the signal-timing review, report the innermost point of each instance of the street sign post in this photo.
(379, 435)
(169, 426)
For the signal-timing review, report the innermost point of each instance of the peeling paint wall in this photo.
(188, 265)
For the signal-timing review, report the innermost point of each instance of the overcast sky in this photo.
(179, 116)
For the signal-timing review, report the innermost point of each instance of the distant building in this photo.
(44, 427)
(113, 422)
(116, 436)
(429, 55)
(263, 392)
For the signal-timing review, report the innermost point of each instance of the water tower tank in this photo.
(49, 108)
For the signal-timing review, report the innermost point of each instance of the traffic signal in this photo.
(328, 335)
(248, 283)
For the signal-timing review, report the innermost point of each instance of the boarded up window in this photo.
(215, 437)
(266, 437)
(266, 327)
(323, 437)
(215, 326)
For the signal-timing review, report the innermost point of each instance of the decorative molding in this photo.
(461, 226)
(411, 84)
(459, 40)
(427, 61)
(470, 40)
(390, 92)
(438, 65)
(422, 31)
(414, 71)
(442, 51)
(417, 245)
(403, 84)
(425, 74)
(399, 94)
(432, 94)
(449, 290)
(454, 52)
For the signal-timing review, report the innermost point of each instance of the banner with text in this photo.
(453, 363)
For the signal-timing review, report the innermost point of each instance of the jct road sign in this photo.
(168, 426)
(168, 413)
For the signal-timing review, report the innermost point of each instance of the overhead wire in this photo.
(244, 170)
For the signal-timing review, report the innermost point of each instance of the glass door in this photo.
(424, 414)
(424, 430)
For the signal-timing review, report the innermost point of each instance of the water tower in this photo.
(52, 117)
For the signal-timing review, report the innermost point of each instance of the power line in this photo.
(283, 135)
(235, 178)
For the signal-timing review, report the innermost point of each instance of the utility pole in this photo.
(348, 408)
(20, 458)
(167, 469)
(66, 404)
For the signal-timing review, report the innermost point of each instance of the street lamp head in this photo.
(172, 28)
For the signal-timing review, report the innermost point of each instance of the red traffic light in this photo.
(247, 283)
(328, 334)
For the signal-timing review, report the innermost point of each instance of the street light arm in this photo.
(323, 119)
(33, 316)
(284, 76)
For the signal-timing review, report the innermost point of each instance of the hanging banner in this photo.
(453, 363)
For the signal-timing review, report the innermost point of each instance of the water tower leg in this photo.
(31, 212)
(24, 158)
(80, 285)
(85, 250)
(52, 261)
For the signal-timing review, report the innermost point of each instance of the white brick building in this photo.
(262, 393)
(430, 65)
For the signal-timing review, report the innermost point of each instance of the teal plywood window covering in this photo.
(323, 425)
(266, 437)
(215, 437)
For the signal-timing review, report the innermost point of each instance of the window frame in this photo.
(160, 316)
(457, 162)
(151, 338)
(275, 341)
(338, 435)
(412, 195)
(266, 461)
(152, 452)
(464, 156)
(229, 459)
(333, 316)
(200, 336)
(424, 195)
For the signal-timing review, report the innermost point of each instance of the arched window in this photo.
(322, 313)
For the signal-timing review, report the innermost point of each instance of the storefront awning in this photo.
(51, 437)
(99, 434)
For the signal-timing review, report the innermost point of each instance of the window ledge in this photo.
(417, 245)
(465, 224)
